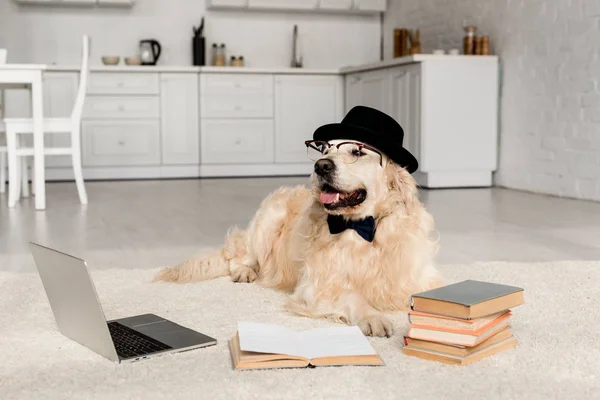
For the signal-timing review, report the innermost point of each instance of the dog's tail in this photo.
(211, 264)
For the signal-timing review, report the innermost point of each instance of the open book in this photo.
(257, 345)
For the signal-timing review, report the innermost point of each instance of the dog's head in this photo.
(356, 180)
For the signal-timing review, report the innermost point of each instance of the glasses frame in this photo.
(310, 143)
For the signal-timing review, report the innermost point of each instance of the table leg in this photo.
(37, 101)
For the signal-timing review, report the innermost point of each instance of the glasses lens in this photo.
(350, 152)
(315, 151)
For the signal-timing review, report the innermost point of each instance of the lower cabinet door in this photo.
(241, 141)
(120, 143)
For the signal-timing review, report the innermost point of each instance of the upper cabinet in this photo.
(283, 4)
(227, 3)
(108, 3)
(370, 5)
(348, 6)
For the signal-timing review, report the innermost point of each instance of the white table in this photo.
(31, 74)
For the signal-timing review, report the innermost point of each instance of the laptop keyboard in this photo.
(130, 343)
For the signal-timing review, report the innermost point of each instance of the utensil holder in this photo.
(199, 50)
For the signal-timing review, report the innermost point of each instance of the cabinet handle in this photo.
(238, 108)
(121, 108)
(238, 142)
(120, 84)
(121, 142)
(357, 79)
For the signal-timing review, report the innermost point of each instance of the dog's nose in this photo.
(324, 167)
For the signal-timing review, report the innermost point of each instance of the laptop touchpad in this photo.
(172, 334)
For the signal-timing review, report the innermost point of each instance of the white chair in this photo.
(72, 125)
(3, 149)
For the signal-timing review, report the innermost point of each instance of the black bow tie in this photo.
(364, 227)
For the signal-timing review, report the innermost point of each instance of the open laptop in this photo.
(79, 315)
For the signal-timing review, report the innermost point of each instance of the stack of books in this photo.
(462, 323)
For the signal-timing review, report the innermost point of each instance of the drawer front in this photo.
(236, 84)
(116, 143)
(123, 83)
(236, 141)
(236, 106)
(122, 107)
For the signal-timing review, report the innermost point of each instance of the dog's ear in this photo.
(399, 179)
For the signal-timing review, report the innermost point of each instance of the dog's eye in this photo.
(357, 153)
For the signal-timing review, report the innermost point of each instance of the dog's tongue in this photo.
(329, 198)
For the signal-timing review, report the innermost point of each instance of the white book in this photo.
(258, 345)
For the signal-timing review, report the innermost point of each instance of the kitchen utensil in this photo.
(110, 60)
(415, 42)
(198, 31)
(150, 50)
(296, 62)
(135, 60)
(199, 45)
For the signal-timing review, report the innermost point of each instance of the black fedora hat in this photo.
(372, 127)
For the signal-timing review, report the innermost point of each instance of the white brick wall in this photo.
(550, 56)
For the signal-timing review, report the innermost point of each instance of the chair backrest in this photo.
(83, 80)
(3, 55)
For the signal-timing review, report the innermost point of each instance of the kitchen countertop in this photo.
(274, 70)
(411, 59)
(193, 69)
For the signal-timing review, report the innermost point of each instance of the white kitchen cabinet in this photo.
(120, 143)
(123, 83)
(283, 4)
(124, 3)
(180, 136)
(343, 6)
(370, 89)
(448, 109)
(59, 2)
(302, 104)
(370, 5)
(336, 4)
(116, 107)
(227, 3)
(237, 141)
(406, 104)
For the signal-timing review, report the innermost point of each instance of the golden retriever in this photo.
(288, 245)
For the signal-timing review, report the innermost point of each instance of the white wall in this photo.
(550, 56)
(51, 34)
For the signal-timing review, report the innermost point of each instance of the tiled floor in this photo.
(146, 224)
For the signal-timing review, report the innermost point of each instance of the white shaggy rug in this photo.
(558, 355)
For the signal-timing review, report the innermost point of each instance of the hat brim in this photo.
(394, 151)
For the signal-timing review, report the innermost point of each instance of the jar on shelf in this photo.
(469, 40)
(220, 56)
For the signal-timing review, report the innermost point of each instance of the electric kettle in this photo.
(149, 51)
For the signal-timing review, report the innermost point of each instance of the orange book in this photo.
(452, 359)
(460, 337)
(457, 350)
(451, 324)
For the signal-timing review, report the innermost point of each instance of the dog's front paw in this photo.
(376, 325)
(243, 274)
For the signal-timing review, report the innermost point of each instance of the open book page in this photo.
(331, 342)
(267, 338)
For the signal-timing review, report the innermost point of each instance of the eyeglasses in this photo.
(352, 151)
